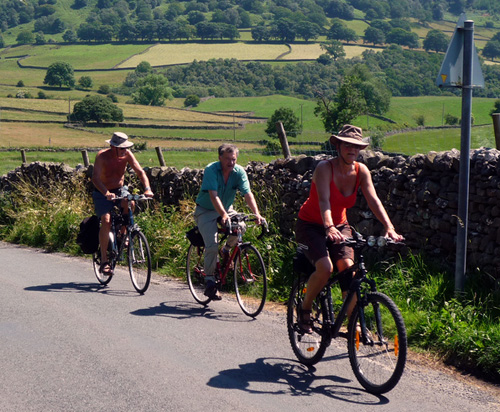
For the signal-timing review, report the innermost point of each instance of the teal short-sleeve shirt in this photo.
(213, 180)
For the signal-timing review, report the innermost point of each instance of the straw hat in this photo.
(349, 134)
(120, 140)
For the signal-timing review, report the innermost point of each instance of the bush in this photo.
(192, 100)
(451, 120)
(20, 83)
(104, 89)
(42, 95)
(377, 139)
(420, 120)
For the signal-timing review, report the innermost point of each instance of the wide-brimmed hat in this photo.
(119, 139)
(350, 134)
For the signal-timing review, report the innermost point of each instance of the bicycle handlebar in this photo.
(370, 241)
(241, 217)
(132, 197)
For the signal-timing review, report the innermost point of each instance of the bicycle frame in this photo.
(334, 324)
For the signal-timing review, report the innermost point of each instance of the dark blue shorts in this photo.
(101, 204)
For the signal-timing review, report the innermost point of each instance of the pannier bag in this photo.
(88, 236)
(194, 236)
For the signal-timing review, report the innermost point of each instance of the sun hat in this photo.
(349, 134)
(120, 140)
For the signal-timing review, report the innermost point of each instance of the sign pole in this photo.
(464, 177)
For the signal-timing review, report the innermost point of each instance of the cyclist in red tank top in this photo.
(323, 215)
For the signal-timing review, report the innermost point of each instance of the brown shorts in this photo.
(313, 237)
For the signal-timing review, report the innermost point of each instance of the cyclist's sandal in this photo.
(105, 269)
(304, 320)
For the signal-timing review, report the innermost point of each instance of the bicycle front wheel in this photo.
(139, 261)
(96, 263)
(308, 347)
(250, 281)
(195, 273)
(378, 360)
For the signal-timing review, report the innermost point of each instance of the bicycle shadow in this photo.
(183, 310)
(79, 288)
(280, 376)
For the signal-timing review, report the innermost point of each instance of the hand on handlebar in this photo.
(335, 235)
(392, 234)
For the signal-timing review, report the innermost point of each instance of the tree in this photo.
(85, 82)
(2, 43)
(192, 100)
(360, 92)
(152, 90)
(334, 49)
(403, 38)
(491, 49)
(291, 122)
(436, 40)
(60, 74)
(96, 108)
(70, 36)
(25, 37)
(374, 35)
(339, 31)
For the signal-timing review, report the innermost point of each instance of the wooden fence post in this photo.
(283, 140)
(23, 156)
(85, 157)
(160, 156)
(496, 128)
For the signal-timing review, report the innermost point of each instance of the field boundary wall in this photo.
(420, 194)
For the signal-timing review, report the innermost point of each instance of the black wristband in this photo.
(329, 227)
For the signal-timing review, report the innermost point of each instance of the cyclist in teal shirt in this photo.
(221, 181)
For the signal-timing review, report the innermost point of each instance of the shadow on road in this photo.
(282, 376)
(183, 310)
(79, 288)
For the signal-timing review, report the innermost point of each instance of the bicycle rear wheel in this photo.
(308, 347)
(139, 261)
(250, 281)
(379, 362)
(96, 263)
(195, 273)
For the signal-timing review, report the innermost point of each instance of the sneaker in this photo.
(211, 291)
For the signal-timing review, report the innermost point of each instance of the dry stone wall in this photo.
(419, 192)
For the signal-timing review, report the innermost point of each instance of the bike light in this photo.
(371, 241)
(381, 241)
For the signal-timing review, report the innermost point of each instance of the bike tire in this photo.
(378, 364)
(309, 348)
(250, 280)
(96, 263)
(139, 261)
(195, 273)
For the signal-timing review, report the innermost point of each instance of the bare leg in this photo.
(104, 236)
(317, 281)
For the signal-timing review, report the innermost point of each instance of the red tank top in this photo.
(310, 211)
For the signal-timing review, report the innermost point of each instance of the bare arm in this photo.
(375, 204)
(250, 199)
(322, 178)
(141, 174)
(219, 207)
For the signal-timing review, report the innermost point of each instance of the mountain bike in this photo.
(129, 243)
(376, 333)
(249, 272)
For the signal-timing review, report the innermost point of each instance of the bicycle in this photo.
(376, 333)
(133, 241)
(249, 272)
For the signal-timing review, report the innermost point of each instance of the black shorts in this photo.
(313, 237)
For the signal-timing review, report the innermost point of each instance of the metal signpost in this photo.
(461, 68)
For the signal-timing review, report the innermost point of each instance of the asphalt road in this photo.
(69, 344)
